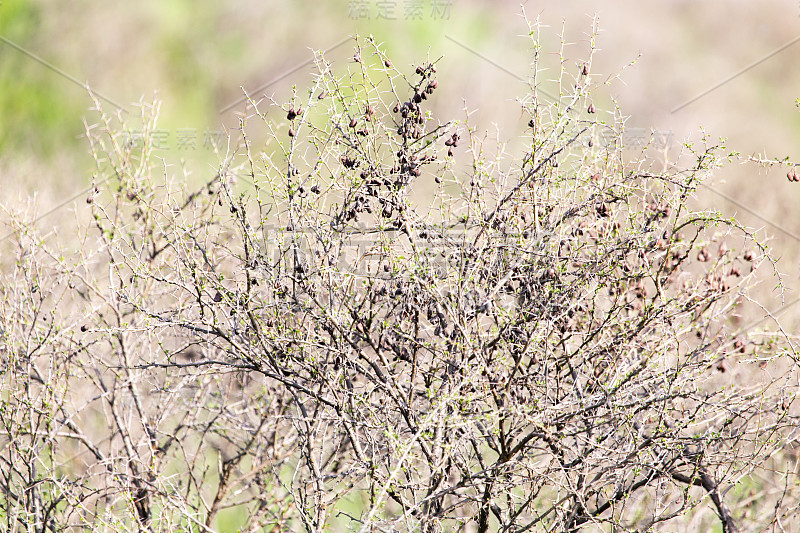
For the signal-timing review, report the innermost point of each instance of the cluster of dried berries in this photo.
(294, 113)
(451, 143)
(348, 162)
(659, 211)
(360, 204)
(409, 163)
(410, 111)
(792, 175)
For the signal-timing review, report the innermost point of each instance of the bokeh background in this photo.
(680, 68)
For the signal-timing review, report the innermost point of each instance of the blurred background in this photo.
(678, 68)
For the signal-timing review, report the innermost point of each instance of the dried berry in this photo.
(291, 114)
(315, 189)
(322, 95)
(353, 123)
(291, 132)
(740, 346)
(792, 175)
(396, 108)
(585, 70)
(591, 108)
(387, 63)
(531, 123)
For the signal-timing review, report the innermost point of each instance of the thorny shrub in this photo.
(391, 329)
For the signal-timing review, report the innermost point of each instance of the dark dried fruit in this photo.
(591, 108)
(396, 108)
(291, 114)
(353, 123)
(291, 132)
(585, 70)
(437, 179)
(315, 189)
(740, 346)
(792, 175)
(531, 123)
(322, 95)
(387, 63)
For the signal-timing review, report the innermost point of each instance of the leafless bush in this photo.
(393, 330)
